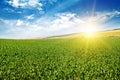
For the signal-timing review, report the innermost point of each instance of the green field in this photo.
(60, 59)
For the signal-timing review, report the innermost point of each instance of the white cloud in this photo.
(34, 3)
(61, 24)
(104, 16)
(19, 23)
(25, 3)
(30, 17)
(40, 27)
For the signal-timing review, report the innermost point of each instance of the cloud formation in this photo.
(62, 23)
(30, 17)
(25, 3)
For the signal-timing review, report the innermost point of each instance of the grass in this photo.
(65, 59)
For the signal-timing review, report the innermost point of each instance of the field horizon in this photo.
(112, 32)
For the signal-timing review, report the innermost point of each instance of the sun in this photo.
(90, 29)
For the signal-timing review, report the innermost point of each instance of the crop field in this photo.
(60, 59)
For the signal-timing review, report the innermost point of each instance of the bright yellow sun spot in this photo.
(90, 29)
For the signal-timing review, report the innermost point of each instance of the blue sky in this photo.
(39, 18)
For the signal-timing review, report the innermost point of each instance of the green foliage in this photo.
(60, 59)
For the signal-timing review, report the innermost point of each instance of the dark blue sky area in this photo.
(51, 8)
(98, 5)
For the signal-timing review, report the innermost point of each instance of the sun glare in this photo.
(90, 29)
